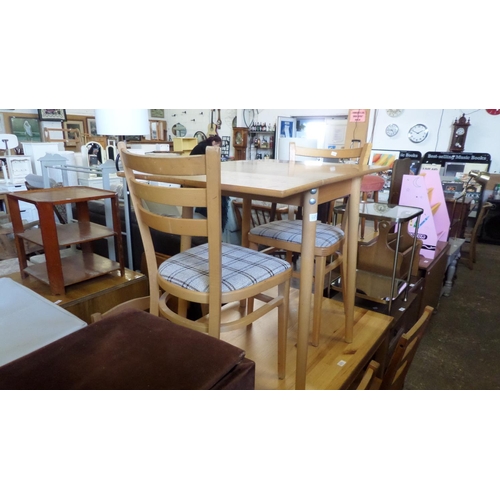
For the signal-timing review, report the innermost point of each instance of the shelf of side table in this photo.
(60, 272)
(394, 215)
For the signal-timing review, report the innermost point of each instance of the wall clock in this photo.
(493, 111)
(391, 130)
(460, 128)
(394, 113)
(418, 133)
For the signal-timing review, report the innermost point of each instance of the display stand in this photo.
(426, 192)
(60, 272)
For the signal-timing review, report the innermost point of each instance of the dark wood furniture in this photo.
(406, 348)
(433, 272)
(132, 351)
(59, 272)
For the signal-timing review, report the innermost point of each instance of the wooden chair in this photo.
(370, 381)
(212, 274)
(370, 184)
(404, 352)
(260, 213)
(287, 234)
(470, 253)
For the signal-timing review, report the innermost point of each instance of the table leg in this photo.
(17, 227)
(351, 253)
(310, 216)
(51, 248)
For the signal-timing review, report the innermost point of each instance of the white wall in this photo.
(482, 137)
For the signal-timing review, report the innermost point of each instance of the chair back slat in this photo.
(159, 164)
(362, 155)
(177, 196)
(156, 167)
(405, 351)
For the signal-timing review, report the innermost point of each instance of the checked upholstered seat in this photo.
(241, 268)
(287, 234)
(291, 231)
(211, 274)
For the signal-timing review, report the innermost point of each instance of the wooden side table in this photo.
(60, 272)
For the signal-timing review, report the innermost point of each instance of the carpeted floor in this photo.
(461, 349)
(9, 266)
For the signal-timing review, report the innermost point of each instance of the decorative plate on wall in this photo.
(248, 117)
(394, 113)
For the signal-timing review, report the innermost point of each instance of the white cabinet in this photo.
(37, 150)
(15, 169)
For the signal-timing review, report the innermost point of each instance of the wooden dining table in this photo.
(304, 184)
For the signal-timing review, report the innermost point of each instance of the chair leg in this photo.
(375, 199)
(284, 291)
(319, 280)
(362, 220)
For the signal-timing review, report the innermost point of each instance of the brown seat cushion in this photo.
(133, 350)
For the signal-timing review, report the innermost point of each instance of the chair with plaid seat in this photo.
(212, 274)
(287, 234)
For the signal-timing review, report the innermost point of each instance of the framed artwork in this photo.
(77, 137)
(26, 129)
(52, 115)
(91, 126)
(157, 113)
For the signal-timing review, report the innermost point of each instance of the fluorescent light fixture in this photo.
(122, 122)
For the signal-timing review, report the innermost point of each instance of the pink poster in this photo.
(415, 193)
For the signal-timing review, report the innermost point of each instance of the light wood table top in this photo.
(305, 184)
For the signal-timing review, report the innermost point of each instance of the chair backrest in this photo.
(260, 213)
(139, 167)
(477, 226)
(406, 348)
(470, 257)
(8, 142)
(370, 381)
(359, 156)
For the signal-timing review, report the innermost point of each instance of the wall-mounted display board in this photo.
(387, 157)
(454, 165)
(454, 168)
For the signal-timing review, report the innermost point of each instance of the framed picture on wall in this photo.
(157, 113)
(26, 129)
(91, 126)
(52, 115)
(79, 130)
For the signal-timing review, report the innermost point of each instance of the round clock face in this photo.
(391, 130)
(238, 140)
(493, 111)
(460, 131)
(394, 113)
(418, 133)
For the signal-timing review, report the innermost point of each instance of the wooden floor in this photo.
(332, 365)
